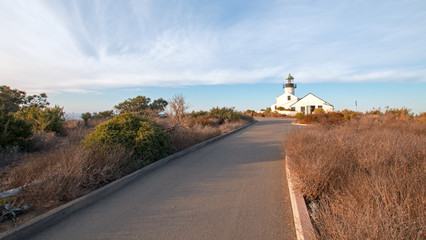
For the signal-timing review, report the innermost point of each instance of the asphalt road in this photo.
(234, 188)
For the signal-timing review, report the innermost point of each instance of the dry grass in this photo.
(64, 170)
(363, 179)
(64, 174)
(192, 132)
(9, 156)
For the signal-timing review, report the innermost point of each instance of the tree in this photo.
(136, 105)
(158, 105)
(21, 114)
(178, 106)
(38, 101)
(13, 100)
(141, 105)
(104, 114)
(86, 117)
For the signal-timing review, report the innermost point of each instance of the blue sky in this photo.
(91, 55)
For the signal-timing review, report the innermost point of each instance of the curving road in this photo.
(234, 188)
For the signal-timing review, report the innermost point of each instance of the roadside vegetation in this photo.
(268, 113)
(363, 176)
(57, 160)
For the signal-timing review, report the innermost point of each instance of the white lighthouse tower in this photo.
(285, 100)
(289, 85)
(287, 103)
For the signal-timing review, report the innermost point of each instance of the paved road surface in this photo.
(232, 189)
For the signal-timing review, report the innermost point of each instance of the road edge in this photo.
(300, 124)
(49, 218)
(302, 222)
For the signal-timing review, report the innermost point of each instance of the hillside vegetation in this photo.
(62, 160)
(363, 175)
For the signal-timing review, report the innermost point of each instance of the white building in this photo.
(288, 103)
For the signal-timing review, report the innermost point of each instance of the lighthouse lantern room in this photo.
(289, 85)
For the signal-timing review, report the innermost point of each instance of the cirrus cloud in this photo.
(80, 46)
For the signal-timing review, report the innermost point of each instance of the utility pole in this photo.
(356, 106)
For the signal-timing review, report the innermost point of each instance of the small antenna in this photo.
(356, 106)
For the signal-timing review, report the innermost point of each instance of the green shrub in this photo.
(144, 139)
(283, 109)
(268, 110)
(198, 114)
(225, 114)
(47, 119)
(299, 116)
(349, 114)
(14, 132)
(319, 111)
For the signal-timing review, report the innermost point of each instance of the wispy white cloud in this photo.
(84, 45)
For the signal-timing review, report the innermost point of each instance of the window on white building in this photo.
(319, 106)
(293, 109)
(302, 109)
(288, 97)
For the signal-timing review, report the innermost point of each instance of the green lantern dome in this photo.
(289, 83)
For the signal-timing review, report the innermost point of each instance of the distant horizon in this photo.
(340, 95)
(90, 55)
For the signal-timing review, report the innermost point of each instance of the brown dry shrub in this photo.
(192, 131)
(229, 126)
(9, 156)
(421, 117)
(185, 136)
(269, 115)
(364, 179)
(44, 141)
(64, 174)
(328, 118)
(205, 120)
(72, 133)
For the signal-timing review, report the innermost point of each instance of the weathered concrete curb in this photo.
(49, 218)
(300, 124)
(302, 222)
